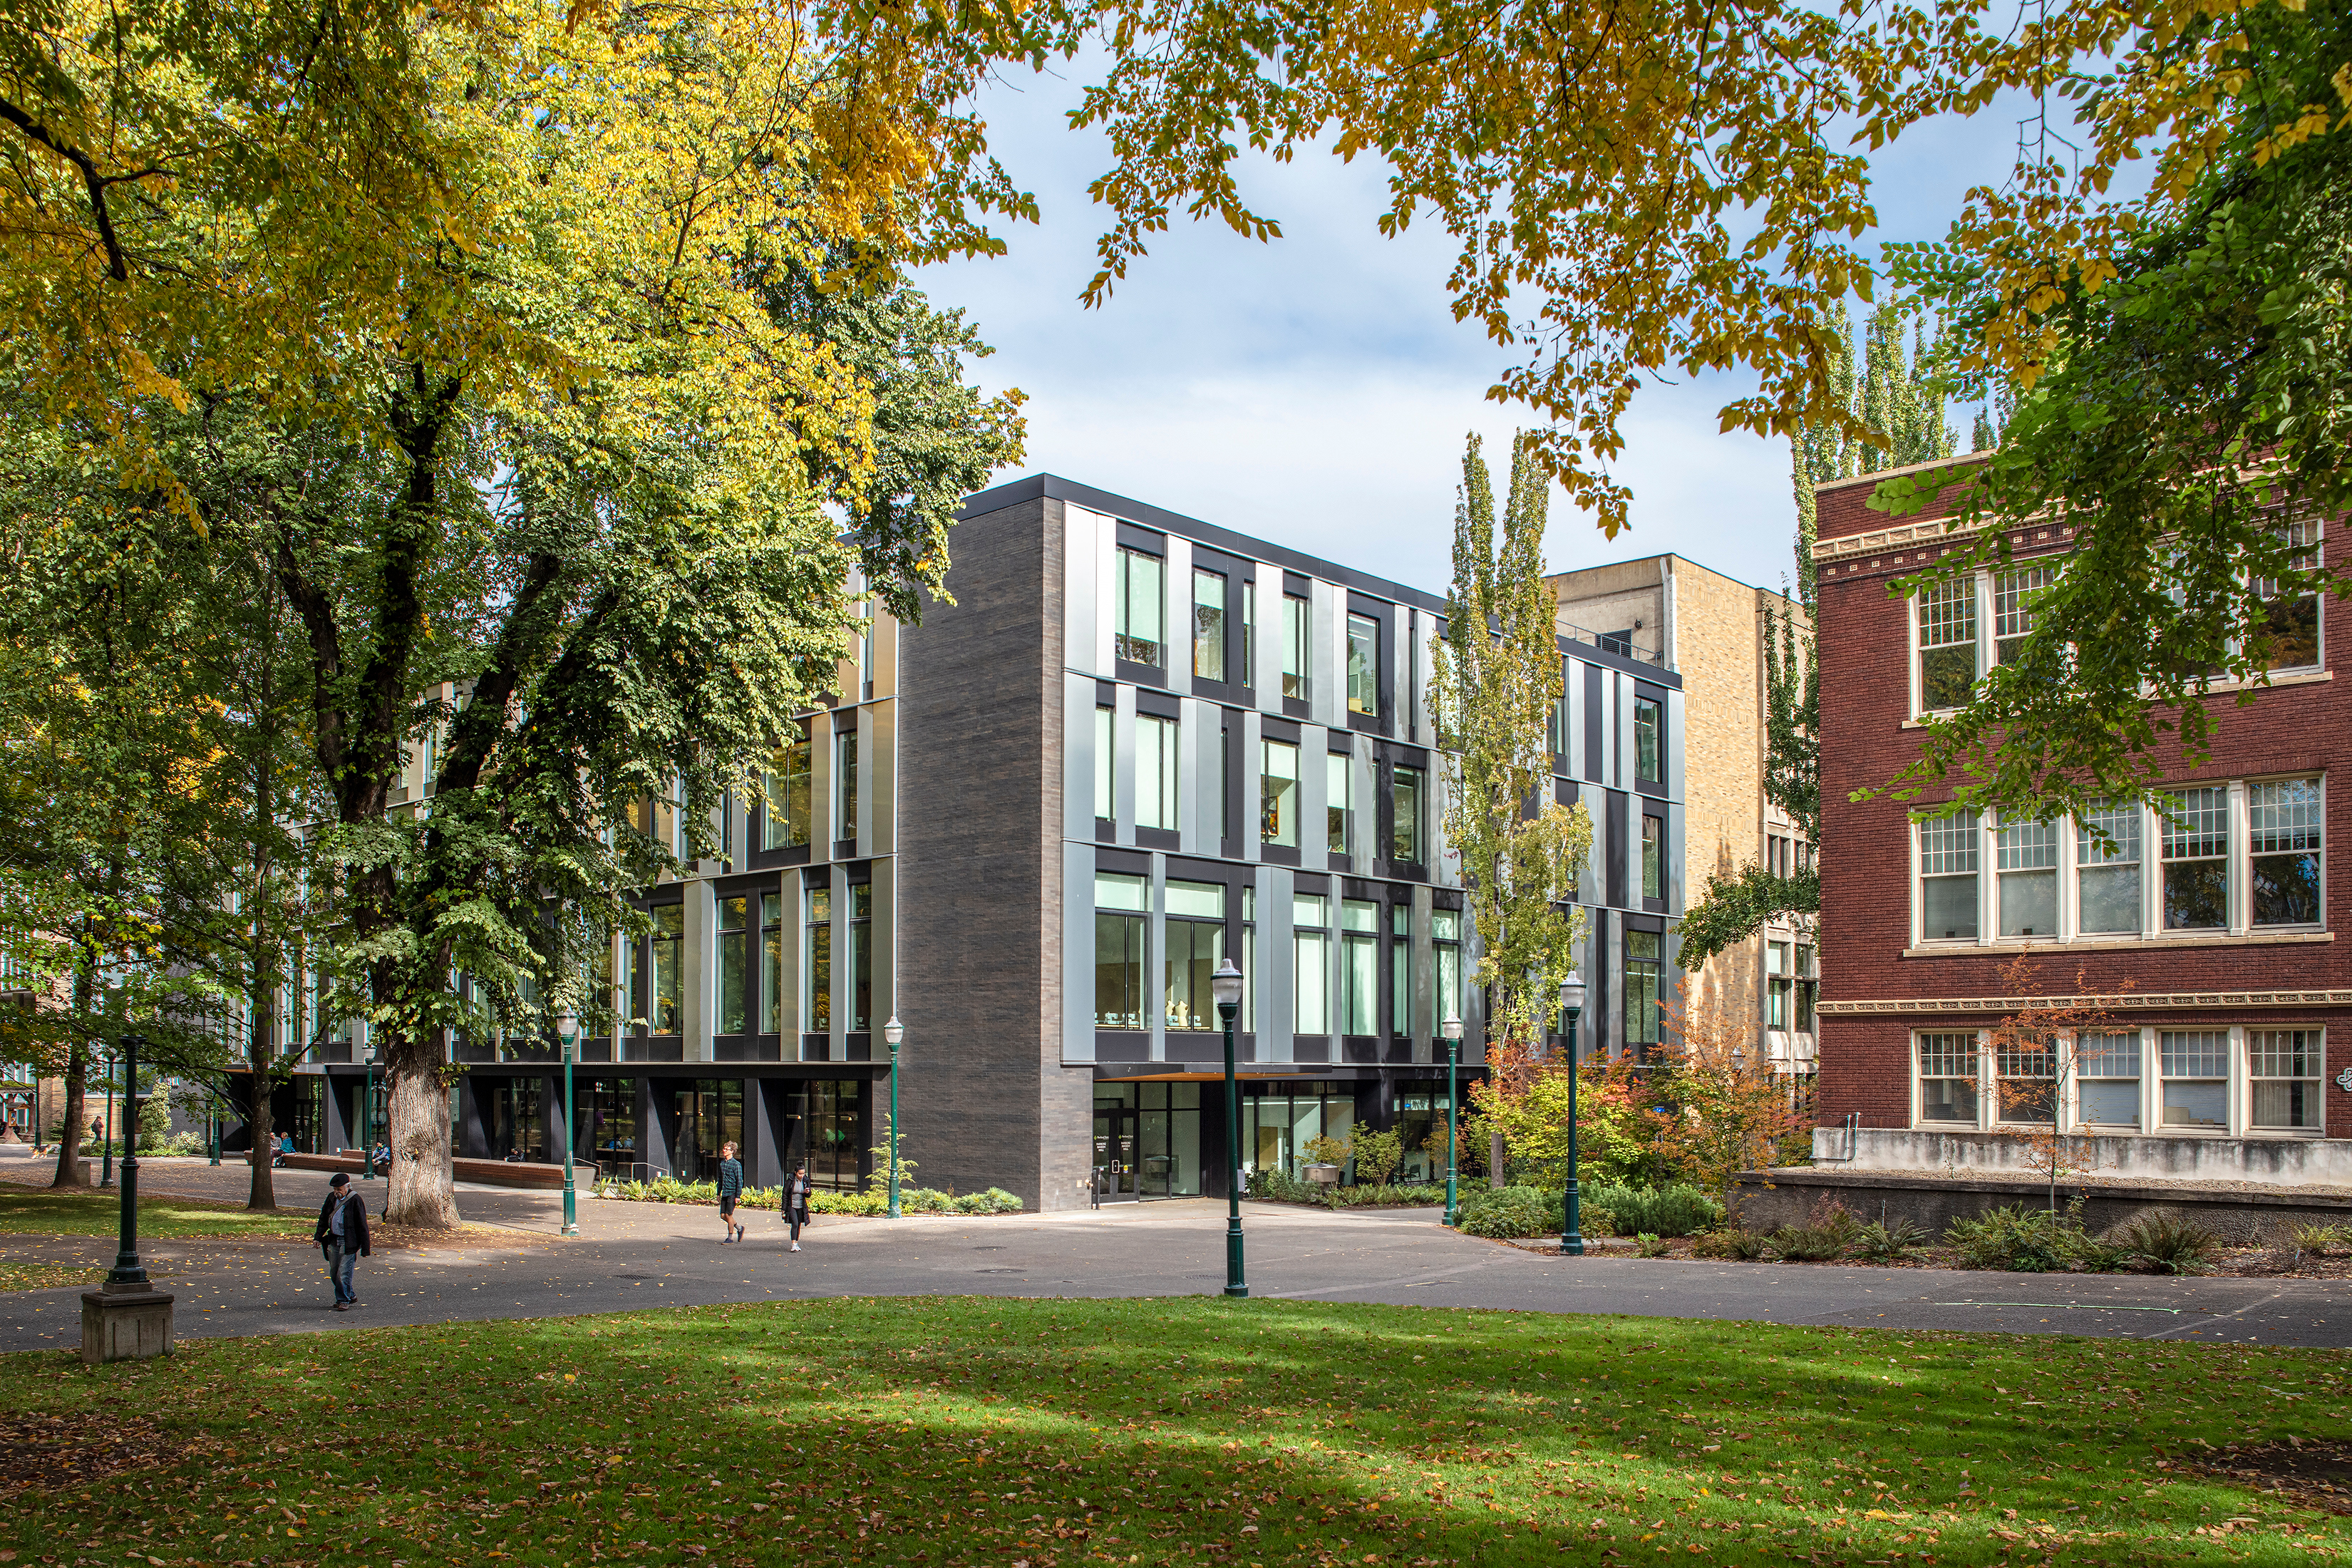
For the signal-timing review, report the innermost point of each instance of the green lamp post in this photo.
(1452, 1030)
(1572, 1003)
(892, 1033)
(567, 1034)
(106, 1152)
(1225, 987)
(367, 1112)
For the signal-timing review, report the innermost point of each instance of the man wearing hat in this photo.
(343, 1235)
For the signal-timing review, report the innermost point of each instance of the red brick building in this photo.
(2211, 926)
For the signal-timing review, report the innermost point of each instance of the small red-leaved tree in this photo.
(2035, 1050)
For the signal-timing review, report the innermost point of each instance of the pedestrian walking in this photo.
(342, 1236)
(796, 1199)
(730, 1190)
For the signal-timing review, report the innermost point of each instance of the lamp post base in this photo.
(125, 1323)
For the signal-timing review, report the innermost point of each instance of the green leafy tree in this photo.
(1495, 679)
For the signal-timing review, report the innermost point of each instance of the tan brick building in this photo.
(1710, 628)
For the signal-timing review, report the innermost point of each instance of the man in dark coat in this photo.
(343, 1235)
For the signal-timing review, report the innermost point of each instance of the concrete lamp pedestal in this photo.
(125, 1322)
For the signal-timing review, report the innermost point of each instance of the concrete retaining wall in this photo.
(2244, 1215)
(2281, 1162)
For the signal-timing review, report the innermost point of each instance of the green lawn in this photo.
(18, 1275)
(43, 1211)
(1194, 1431)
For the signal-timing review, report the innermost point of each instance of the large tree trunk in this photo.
(423, 1189)
(73, 1171)
(262, 1191)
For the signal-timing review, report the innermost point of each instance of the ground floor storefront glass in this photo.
(605, 1117)
(310, 1128)
(1279, 1120)
(709, 1114)
(1147, 1140)
(835, 1133)
(514, 1128)
(1419, 1110)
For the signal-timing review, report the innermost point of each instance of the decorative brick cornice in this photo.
(1913, 536)
(2135, 1001)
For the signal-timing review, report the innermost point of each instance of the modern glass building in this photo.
(1032, 827)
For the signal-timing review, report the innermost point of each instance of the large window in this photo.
(1338, 794)
(835, 1134)
(2289, 631)
(1155, 772)
(861, 957)
(1119, 902)
(1947, 644)
(1948, 857)
(2013, 594)
(1399, 970)
(1809, 989)
(1406, 837)
(772, 939)
(2107, 1078)
(2195, 1079)
(1359, 967)
(1641, 987)
(1654, 857)
(669, 966)
(735, 972)
(817, 962)
(1649, 739)
(1105, 803)
(2027, 865)
(844, 785)
(2029, 1082)
(1209, 625)
(1364, 665)
(2284, 819)
(1310, 971)
(784, 788)
(1296, 619)
(1445, 940)
(2196, 860)
(2107, 851)
(1140, 608)
(1947, 1078)
(1278, 792)
(1779, 985)
(2284, 1067)
(1196, 945)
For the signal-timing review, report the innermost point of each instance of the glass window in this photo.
(837, 1137)
(2196, 860)
(2013, 594)
(1140, 608)
(1445, 937)
(2286, 1070)
(1359, 967)
(2027, 862)
(1947, 1078)
(2196, 1065)
(784, 825)
(1249, 959)
(771, 934)
(2109, 874)
(2284, 818)
(2029, 1081)
(1649, 729)
(1948, 877)
(1119, 903)
(1363, 666)
(1105, 807)
(1809, 989)
(1641, 987)
(1295, 617)
(2106, 1074)
(1401, 970)
(1196, 946)
(1247, 674)
(1404, 797)
(1338, 792)
(2289, 639)
(1155, 772)
(627, 1004)
(1310, 1012)
(1209, 625)
(1947, 644)
(844, 785)
(861, 956)
(668, 965)
(817, 962)
(1654, 857)
(1278, 792)
(734, 966)
(1780, 988)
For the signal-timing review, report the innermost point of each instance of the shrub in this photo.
(1829, 1233)
(1648, 1245)
(1507, 1211)
(1732, 1241)
(2018, 1238)
(1662, 1211)
(1371, 1196)
(2322, 1241)
(2172, 1242)
(1274, 1184)
(1890, 1241)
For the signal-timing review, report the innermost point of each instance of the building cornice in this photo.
(2131, 1001)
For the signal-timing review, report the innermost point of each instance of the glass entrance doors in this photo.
(1115, 1155)
(709, 1113)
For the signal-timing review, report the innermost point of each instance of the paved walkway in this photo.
(637, 1254)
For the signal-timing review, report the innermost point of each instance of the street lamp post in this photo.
(567, 1034)
(128, 1274)
(1225, 987)
(1452, 1030)
(367, 1112)
(892, 1033)
(106, 1154)
(213, 1127)
(1571, 1005)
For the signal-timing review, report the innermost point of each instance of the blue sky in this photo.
(1315, 390)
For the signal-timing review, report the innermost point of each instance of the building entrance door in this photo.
(1115, 1155)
